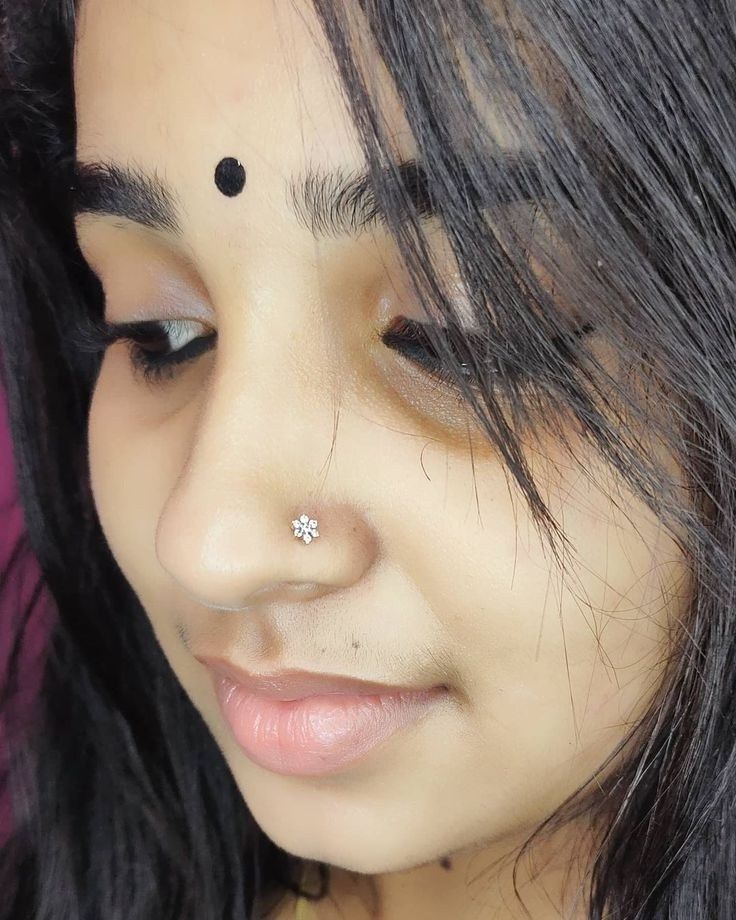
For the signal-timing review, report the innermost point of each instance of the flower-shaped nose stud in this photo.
(305, 527)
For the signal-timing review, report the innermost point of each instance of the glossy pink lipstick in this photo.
(304, 724)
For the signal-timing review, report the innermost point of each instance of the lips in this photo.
(296, 685)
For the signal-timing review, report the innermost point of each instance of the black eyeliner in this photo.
(93, 334)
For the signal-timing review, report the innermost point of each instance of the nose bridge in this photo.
(257, 457)
(276, 388)
(276, 358)
(268, 418)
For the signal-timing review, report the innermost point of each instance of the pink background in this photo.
(21, 588)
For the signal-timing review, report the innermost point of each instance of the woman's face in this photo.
(428, 569)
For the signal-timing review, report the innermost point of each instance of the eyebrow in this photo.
(328, 203)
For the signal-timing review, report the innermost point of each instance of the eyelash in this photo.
(92, 334)
(406, 336)
(410, 338)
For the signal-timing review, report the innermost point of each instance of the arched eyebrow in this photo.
(340, 203)
(113, 189)
(326, 202)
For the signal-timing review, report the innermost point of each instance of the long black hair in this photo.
(625, 114)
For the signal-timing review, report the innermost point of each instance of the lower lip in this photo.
(316, 735)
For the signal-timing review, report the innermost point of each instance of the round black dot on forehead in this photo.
(230, 176)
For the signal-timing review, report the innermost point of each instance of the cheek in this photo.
(557, 665)
(133, 463)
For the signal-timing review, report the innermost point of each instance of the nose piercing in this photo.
(305, 528)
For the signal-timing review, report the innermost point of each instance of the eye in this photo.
(411, 339)
(156, 348)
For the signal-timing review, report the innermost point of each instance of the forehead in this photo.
(176, 78)
(252, 76)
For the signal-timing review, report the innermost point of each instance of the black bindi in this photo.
(230, 176)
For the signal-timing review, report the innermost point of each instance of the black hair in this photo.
(626, 114)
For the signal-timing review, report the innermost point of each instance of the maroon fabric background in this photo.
(21, 589)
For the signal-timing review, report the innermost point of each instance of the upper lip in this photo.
(294, 684)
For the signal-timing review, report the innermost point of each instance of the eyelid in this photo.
(93, 334)
(411, 340)
(150, 327)
(144, 282)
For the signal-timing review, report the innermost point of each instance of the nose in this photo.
(235, 555)
(253, 461)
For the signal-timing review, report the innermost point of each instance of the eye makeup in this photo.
(156, 352)
(412, 339)
(151, 344)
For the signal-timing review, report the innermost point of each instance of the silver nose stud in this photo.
(305, 528)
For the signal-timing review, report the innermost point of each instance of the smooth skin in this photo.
(428, 568)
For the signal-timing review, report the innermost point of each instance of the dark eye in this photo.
(156, 348)
(410, 338)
